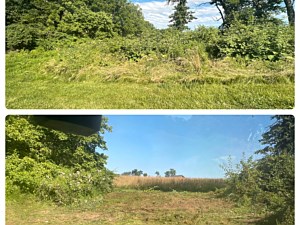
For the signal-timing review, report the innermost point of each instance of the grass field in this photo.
(135, 207)
(128, 205)
(83, 77)
(169, 183)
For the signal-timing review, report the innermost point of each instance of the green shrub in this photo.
(21, 36)
(266, 41)
(55, 183)
(267, 183)
(85, 23)
(209, 37)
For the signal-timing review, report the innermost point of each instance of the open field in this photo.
(135, 207)
(169, 183)
(83, 77)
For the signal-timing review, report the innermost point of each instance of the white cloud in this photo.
(249, 137)
(183, 117)
(224, 159)
(158, 12)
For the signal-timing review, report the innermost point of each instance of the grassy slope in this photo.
(134, 207)
(83, 77)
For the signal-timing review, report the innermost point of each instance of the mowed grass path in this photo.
(75, 79)
(134, 207)
(50, 95)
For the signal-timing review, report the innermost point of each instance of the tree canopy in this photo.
(52, 164)
(249, 11)
(28, 23)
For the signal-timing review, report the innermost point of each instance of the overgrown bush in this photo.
(85, 23)
(267, 183)
(55, 183)
(54, 165)
(21, 36)
(209, 37)
(265, 41)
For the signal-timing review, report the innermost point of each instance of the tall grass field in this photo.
(169, 183)
(87, 75)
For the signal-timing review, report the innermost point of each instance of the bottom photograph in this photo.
(150, 169)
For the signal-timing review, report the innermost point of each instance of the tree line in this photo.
(29, 23)
(136, 172)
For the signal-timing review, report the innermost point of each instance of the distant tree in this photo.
(181, 15)
(126, 173)
(167, 174)
(157, 173)
(170, 173)
(136, 172)
(145, 174)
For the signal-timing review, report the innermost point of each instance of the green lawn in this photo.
(86, 79)
(134, 207)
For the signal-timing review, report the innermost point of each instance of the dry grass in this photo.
(169, 183)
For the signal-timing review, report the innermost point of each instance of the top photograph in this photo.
(149, 54)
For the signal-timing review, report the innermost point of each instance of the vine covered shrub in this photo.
(267, 41)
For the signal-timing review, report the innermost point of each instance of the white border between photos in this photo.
(4, 112)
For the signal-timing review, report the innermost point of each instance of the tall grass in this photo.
(169, 183)
(88, 76)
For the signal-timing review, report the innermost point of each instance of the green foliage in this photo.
(247, 11)
(181, 15)
(42, 23)
(85, 23)
(55, 183)
(21, 36)
(280, 138)
(262, 41)
(269, 181)
(165, 45)
(243, 182)
(209, 36)
(53, 165)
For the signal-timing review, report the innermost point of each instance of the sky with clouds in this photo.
(158, 11)
(195, 146)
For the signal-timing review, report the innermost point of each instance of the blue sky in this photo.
(194, 146)
(158, 11)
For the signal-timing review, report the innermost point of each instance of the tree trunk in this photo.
(290, 11)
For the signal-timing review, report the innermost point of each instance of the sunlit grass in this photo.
(134, 207)
(169, 183)
(83, 77)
